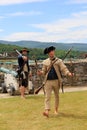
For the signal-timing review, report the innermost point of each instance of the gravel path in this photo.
(68, 89)
(75, 89)
(5, 95)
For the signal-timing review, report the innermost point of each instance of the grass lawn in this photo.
(20, 114)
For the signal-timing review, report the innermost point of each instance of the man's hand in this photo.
(30, 75)
(39, 72)
(70, 74)
(25, 58)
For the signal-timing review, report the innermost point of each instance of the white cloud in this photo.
(72, 29)
(1, 30)
(77, 1)
(25, 13)
(81, 14)
(76, 36)
(10, 2)
(64, 25)
(26, 36)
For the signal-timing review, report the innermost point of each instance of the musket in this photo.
(18, 52)
(36, 66)
(42, 86)
(40, 78)
(67, 53)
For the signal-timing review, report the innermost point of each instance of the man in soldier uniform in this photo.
(24, 71)
(53, 78)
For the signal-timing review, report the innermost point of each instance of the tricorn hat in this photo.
(24, 49)
(49, 49)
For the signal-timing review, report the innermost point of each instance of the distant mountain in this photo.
(36, 44)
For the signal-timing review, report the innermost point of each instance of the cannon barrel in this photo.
(5, 70)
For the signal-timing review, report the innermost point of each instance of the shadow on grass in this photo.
(69, 115)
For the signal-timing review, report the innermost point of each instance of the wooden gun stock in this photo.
(38, 89)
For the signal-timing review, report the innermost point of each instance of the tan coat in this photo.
(59, 66)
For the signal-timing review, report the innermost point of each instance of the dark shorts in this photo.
(23, 81)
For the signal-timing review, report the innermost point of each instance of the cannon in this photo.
(10, 84)
(5, 70)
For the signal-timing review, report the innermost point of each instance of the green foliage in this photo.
(8, 48)
(38, 52)
(72, 54)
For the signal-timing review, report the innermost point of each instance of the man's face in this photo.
(24, 53)
(51, 53)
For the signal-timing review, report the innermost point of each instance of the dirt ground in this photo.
(66, 89)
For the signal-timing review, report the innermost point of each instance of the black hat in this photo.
(48, 49)
(24, 49)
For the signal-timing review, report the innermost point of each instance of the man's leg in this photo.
(48, 90)
(22, 91)
(56, 93)
(24, 84)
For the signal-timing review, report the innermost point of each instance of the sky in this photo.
(62, 21)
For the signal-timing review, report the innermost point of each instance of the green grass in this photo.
(19, 114)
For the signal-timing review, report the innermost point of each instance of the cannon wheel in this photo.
(12, 91)
(4, 90)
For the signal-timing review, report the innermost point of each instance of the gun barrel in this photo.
(5, 70)
(18, 52)
(67, 53)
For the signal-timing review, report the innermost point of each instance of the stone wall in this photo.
(79, 68)
(80, 73)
